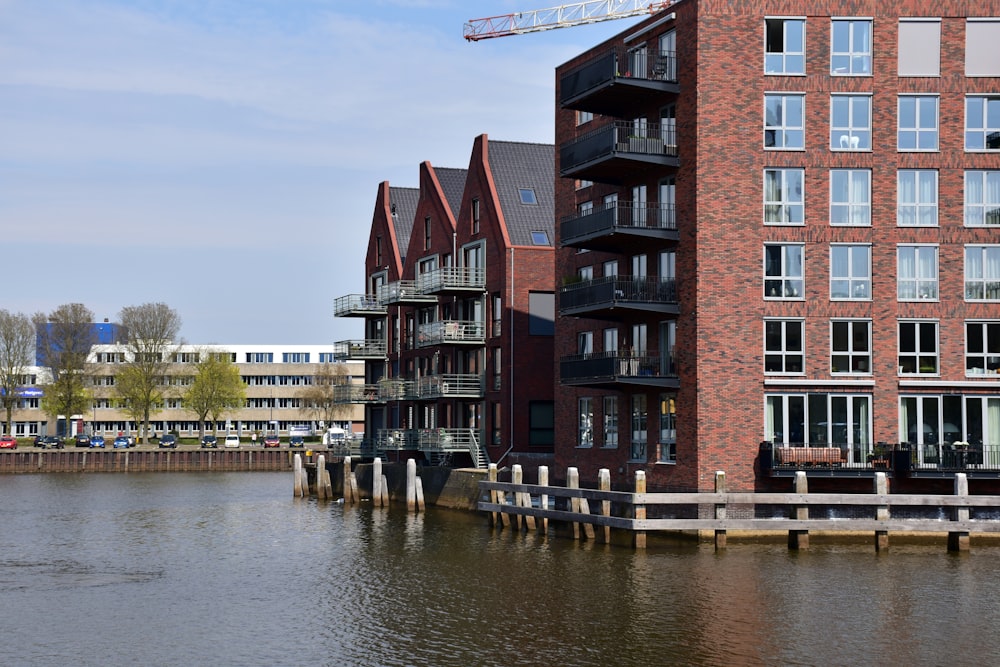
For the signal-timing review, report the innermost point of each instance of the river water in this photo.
(230, 569)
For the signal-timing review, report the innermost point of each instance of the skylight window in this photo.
(528, 196)
(539, 238)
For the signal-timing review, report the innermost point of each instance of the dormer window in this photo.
(528, 196)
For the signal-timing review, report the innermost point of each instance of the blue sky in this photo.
(223, 156)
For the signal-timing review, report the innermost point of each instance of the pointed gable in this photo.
(523, 166)
(403, 208)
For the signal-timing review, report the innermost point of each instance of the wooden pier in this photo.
(145, 460)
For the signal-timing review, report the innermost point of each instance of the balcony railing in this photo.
(357, 305)
(356, 393)
(616, 80)
(453, 279)
(907, 459)
(615, 226)
(396, 389)
(403, 291)
(602, 297)
(608, 369)
(369, 348)
(451, 332)
(612, 152)
(450, 385)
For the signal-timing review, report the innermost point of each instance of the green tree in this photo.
(216, 388)
(17, 342)
(65, 337)
(152, 329)
(320, 399)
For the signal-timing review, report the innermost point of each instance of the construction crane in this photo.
(563, 16)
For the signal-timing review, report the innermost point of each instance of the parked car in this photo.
(49, 442)
(209, 442)
(232, 440)
(82, 440)
(168, 442)
(272, 441)
(121, 442)
(296, 441)
(97, 441)
(8, 442)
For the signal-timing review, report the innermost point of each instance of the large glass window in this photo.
(585, 430)
(850, 347)
(917, 197)
(918, 123)
(851, 197)
(850, 122)
(982, 198)
(916, 272)
(784, 342)
(667, 450)
(918, 348)
(784, 46)
(783, 197)
(850, 272)
(784, 121)
(851, 52)
(818, 420)
(982, 347)
(982, 273)
(783, 271)
(982, 123)
(541, 423)
(639, 432)
(610, 421)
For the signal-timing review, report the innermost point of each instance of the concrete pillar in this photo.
(411, 485)
(377, 482)
(881, 512)
(799, 539)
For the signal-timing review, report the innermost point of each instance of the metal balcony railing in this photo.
(614, 79)
(451, 332)
(357, 305)
(369, 348)
(453, 279)
(640, 220)
(356, 393)
(607, 146)
(646, 293)
(403, 291)
(450, 385)
(612, 367)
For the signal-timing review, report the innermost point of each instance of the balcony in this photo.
(403, 291)
(357, 350)
(606, 298)
(927, 461)
(619, 80)
(349, 394)
(619, 152)
(451, 332)
(396, 389)
(612, 370)
(620, 227)
(450, 385)
(357, 305)
(453, 280)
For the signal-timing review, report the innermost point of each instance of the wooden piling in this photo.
(639, 511)
(377, 482)
(720, 509)
(881, 512)
(384, 486)
(411, 485)
(522, 499)
(543, 500)
(573, 482)
(799, 539)
(491, 475)
(959, 540)
(348, 496)
(420, 494)
(604, 484)
(297, 475)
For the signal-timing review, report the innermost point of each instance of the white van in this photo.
(334, 436)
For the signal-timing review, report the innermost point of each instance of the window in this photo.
(982, 198)
(851, 52)
(585, 431)
(783, 346)
(917, 198)
(378, 250)
(541, 424)
(850, 272)
(610, 421)
(539, 237)
(295, 358)
(784, 121)
(783, 271)
(259, 357)
(850, 122)
(527, 196)
(850, 346)
(582, 183)
(783, 198)
(982, 123)
(982, 273)
(667, 446)
(981, 39)
(585, 342)
(637, 451)
(784, 46)
(497, 419)
(851, 197)
(475, 216)
(497, 368)
(982, 347)
(427, 233)
(497, 314)
(917, 272)
(918, 123)
(584, 117)
(610, 341)
(541, 313)
(840, 420)
(918, 348)
(919, 47)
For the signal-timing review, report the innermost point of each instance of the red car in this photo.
(271, 441)
(8, 442)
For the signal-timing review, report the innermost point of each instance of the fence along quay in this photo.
(141, 460)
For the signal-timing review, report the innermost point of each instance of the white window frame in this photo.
(856, 58)
(585, 427)
(924, 358)
(786, 133)
(856, 134)
(920, 207)
(784, 196)
(982, 210)
(986, 359)
(610, 417)
(855, 283)
(924, 131)
(788, 282)
(985, 135)
(853, 358)
(792, 62)
(982, 272)
(917, 272)
(781, 356)
(667, 442)
(851, 197)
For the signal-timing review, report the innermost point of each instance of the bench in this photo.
(809, 455)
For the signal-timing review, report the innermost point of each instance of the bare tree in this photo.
(65, 337)
(152, 330)
(320, 399)
(17, 343)
(216, 389)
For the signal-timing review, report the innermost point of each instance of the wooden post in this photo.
(639, 510)
(348, 496)
(420, 494)
(377, 482)
(959, 540)
(720, 510)
(543, 500)
(385, 491)
(881, 512)
(320, 482)
(491, 475)
(297, 476)
(604, 484)
(411, 485)
(522, 499)
(573, 482)
(517, 477)
(799, 539)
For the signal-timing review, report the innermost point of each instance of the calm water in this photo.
(230, 569)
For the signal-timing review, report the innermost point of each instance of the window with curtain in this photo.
(610, 421)
(917, 123)
(784, 121)
(982, 123)
(982, 348)
(851, 47)
(919, 47)
(982, 273)
(667, 451)
(637, 451)
(783, 271)
(850, 122)
(784, 46)
(784, 202)
(916, 272)
(585, 431)
(851, 197)
(982, 198)
(917, 197)
(850, 272)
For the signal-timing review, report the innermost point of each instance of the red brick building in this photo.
(459, 309)
(777, 227)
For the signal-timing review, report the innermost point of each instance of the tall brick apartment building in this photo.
(778, 226)
(459, 309)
